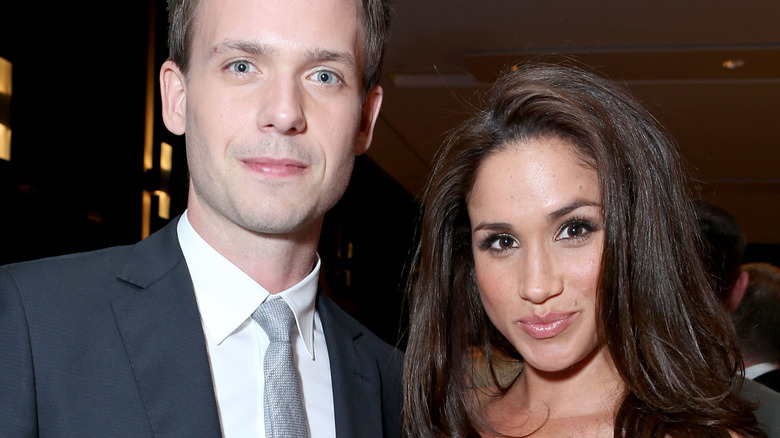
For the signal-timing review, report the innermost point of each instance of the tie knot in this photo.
(276, 318)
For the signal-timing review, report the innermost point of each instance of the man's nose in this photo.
(281, 108)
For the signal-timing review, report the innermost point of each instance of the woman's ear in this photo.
(174, 97)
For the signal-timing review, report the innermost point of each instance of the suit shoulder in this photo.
(147, 259)
(768, 405)
(71, 283)
(333, 314)
(70, 267)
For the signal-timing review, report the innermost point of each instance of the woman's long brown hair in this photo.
(670, 339)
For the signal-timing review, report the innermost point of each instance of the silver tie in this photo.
(284, 414)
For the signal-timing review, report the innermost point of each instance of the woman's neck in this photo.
(580, 401)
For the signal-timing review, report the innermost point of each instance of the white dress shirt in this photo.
(758, 369)
(227, 297)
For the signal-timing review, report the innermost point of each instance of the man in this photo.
(724, 249)
(276, 97)
(757, 322)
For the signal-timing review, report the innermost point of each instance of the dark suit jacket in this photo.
(768, 412)
(109, 344)
(770, 379)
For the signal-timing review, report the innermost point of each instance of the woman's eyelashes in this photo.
(572, 231)
(499, 243)
(577, 229)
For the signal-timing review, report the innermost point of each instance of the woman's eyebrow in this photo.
(566, 209)
(493, 226)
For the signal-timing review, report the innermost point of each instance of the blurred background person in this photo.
(724, 248)
(757, 321)
(725, 245)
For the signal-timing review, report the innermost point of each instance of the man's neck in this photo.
(276, 262)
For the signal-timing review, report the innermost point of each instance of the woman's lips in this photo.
(546, 326)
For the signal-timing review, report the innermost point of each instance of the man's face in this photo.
(272, 110)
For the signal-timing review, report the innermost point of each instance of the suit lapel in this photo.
(770, 379)
(356, 383)
(160, 326)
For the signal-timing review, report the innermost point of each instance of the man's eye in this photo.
(241, 67)
(326, 77)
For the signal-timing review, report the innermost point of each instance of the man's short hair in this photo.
(375, 17)
(757, 319)
(724, 245)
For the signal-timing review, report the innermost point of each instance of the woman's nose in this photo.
(540, 278)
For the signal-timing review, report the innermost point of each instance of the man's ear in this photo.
(737, 292)
(368, 116)
(174, 97)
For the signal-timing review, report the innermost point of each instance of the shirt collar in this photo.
(227, 296)
(758, 369)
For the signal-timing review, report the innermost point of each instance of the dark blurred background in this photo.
(76, 179)
(85, 169)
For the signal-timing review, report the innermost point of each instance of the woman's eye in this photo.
(571, 230)
(326, 77)
(241, 67)
(574, 230)
(503, 242)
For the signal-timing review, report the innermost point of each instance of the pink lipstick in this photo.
(546, 326)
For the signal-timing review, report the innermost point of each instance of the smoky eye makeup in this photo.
(577, 228)
(497, 242)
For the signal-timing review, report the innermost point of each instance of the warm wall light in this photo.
(158, 183)
(733, 64)
(166, 163)
(5, 109)
(163, 204)
(166, 157)
(149, 172)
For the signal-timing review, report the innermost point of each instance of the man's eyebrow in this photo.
(253, 48)
(341, 57)
(248, 47)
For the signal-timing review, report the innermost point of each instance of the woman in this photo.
(557, 232)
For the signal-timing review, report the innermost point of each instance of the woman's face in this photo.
(537, 238)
